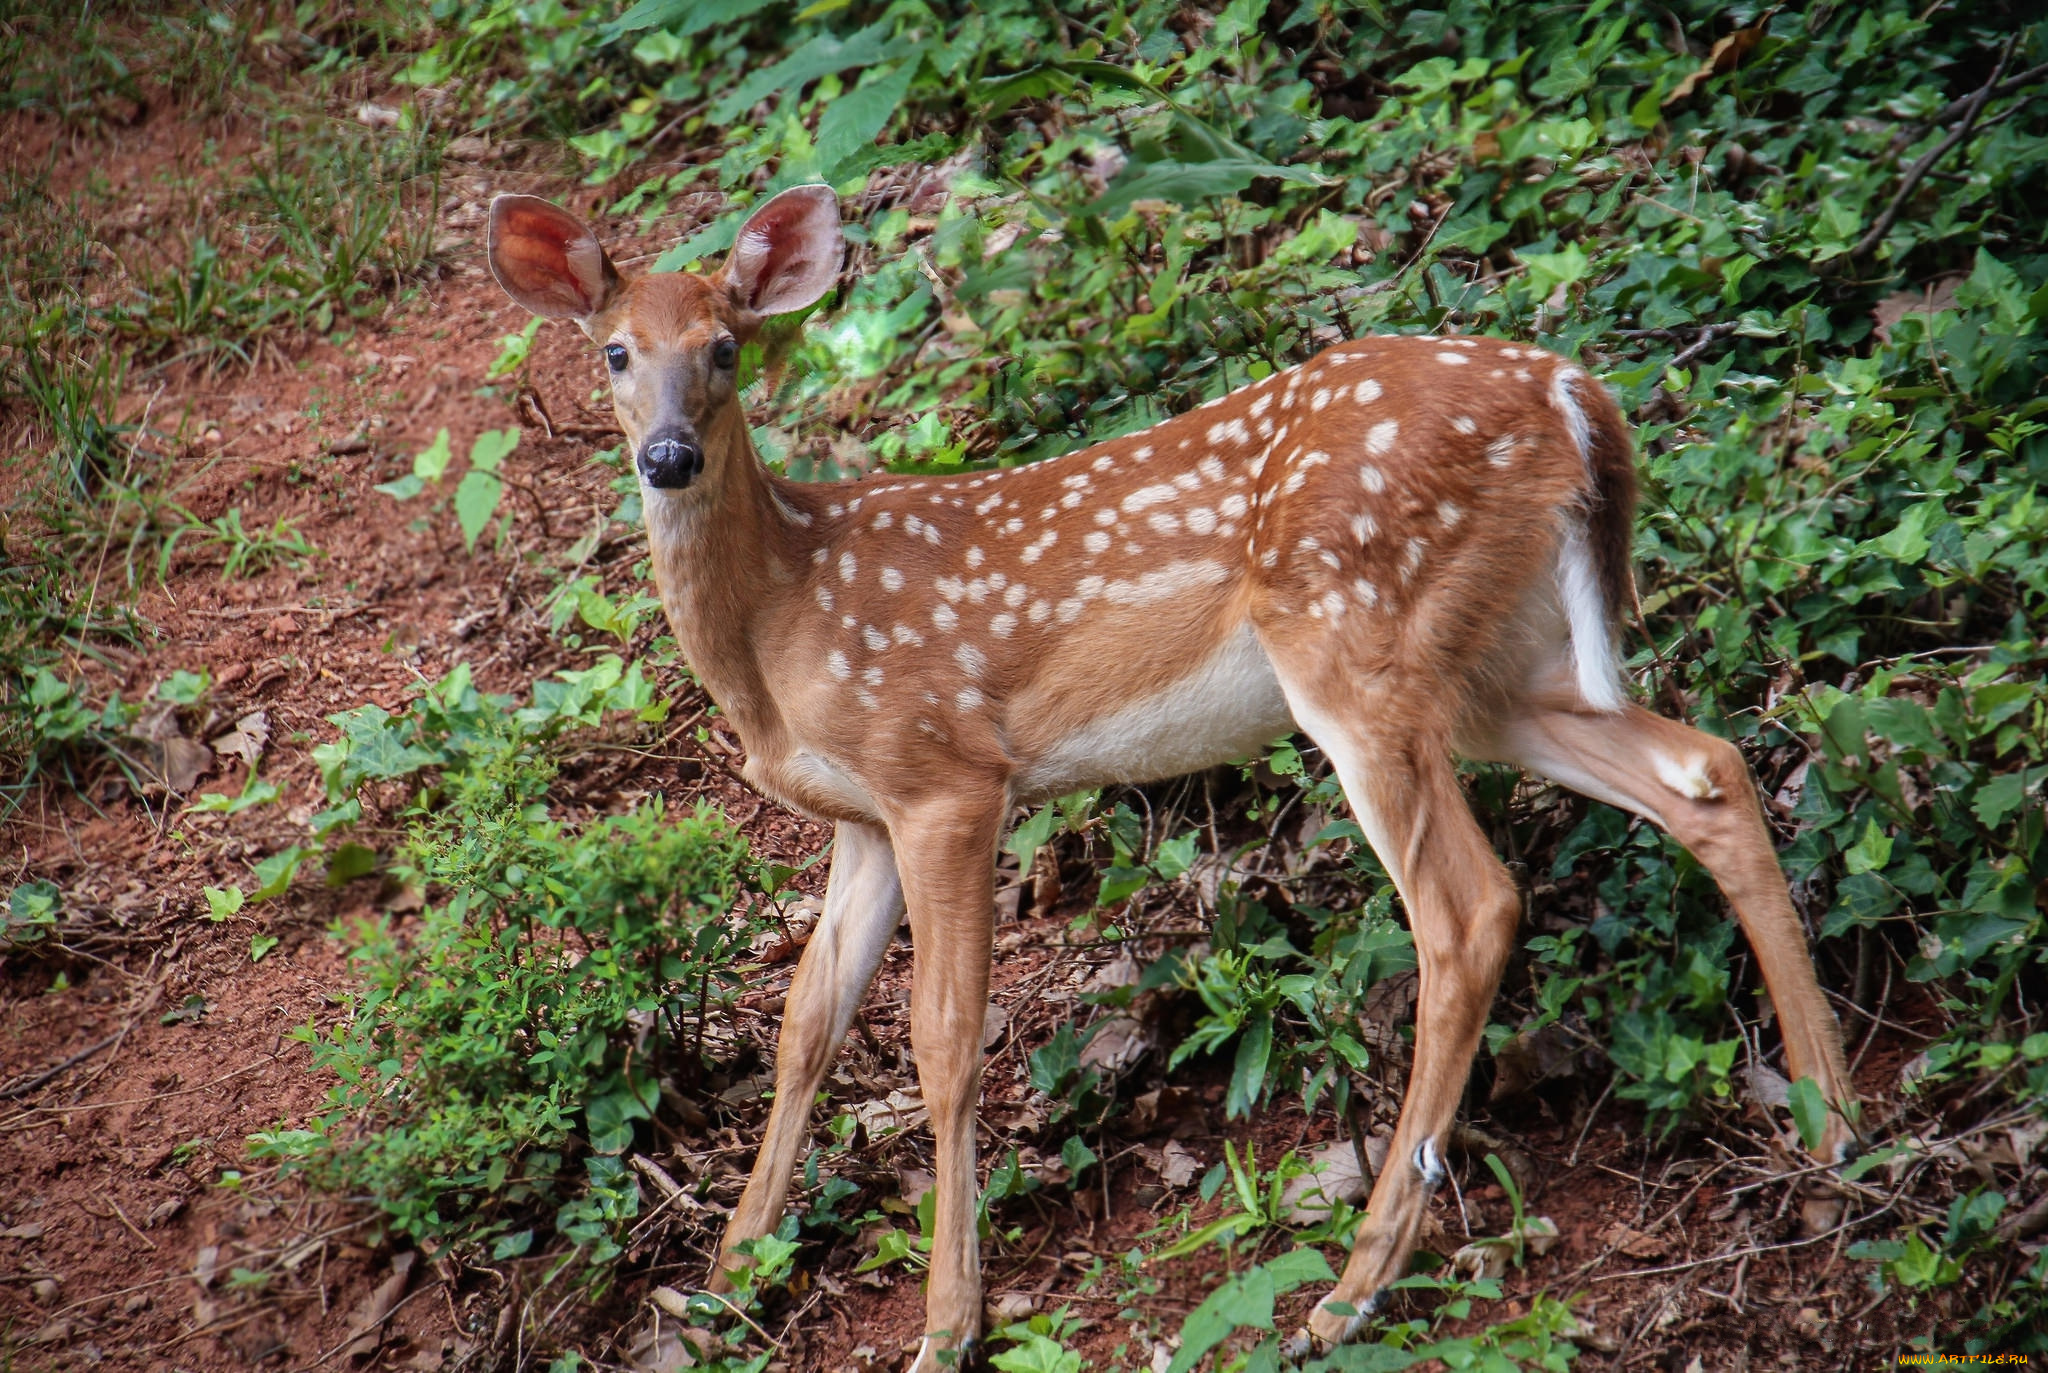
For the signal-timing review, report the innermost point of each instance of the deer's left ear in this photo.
(547, 259)
(787, 254)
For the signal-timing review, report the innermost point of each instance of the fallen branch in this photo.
(1973, 109)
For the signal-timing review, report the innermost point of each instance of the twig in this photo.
(1955, 109)
(1708, 336)
(24, 1088)
(1973, 108)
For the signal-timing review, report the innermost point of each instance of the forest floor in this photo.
(135, 1232)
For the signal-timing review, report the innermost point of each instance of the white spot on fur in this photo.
(1146, 496)
(836, 664)
(1368, 595)
(874, 638)
(967, 698)
(846, 567)
(975, 556)
(945, 617)
(892, 580)
(1363, 527)
(1448, 513)
(971, 659)
(1097, 541)
(1368, 391)
(1002, 625)
(1464, 424)
(1379, 440)
(1371, 478)
(1202, 520)
(904, 634)
(1501, 452)
(824, 597)
(1234, 506)
(1453, 359)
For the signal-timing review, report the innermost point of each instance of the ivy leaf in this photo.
(274, 874)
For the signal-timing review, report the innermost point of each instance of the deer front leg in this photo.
(947, 852)
(863, 905)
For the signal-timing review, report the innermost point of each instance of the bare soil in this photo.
(135, 1232)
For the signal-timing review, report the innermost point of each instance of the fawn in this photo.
(1406, 547)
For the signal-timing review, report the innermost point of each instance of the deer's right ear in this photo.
(547, 259)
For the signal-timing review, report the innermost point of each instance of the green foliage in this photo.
(507, 1048)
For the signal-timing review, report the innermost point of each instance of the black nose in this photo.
(669, 464)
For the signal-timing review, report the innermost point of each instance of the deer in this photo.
(1410, 548)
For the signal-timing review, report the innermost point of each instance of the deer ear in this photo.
(788, 253)
(547, 259)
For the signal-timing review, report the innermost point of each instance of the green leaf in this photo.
(2004, 794)
(431, 463)
(855, 119)
(1248, 1074)
(260, 945)
(222, 902)
(491, 448)
(1241, 1301)
(183, 688)
(274, 874)
(1871, 852)
(1809, 1112)
(349, 862)
(476, 500)
(1190, 184)
(513, 1245)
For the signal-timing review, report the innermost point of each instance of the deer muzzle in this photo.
(671, 462)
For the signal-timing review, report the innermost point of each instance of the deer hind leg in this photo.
(863, 906)
(1463, 909)
(1699, 789)
(948, 849)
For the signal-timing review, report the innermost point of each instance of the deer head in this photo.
(671, 339)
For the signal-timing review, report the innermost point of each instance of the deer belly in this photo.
(1229, 707)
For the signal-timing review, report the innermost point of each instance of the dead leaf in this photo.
(368, 1324)
(1117, 1044)
(1637, 1244)
(205, 1264)
(913, 1183)
(1177, 1167)
(246, 740)
(1012, 1307)
(1171, 1110)
(173, 760)
(1489, 1258)
(1768, 1087)
(994, 1022)
(1727, 53)
(900, 1110)
(1936, 295)
(32, 1231)
(1334, 1176)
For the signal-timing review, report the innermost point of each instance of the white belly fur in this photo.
(1228, 707)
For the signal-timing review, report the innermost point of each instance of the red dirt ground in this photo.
(128, 1203)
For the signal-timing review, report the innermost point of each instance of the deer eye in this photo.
(724, 354)
(615, 354)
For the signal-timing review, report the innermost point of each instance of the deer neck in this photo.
(727, 553)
